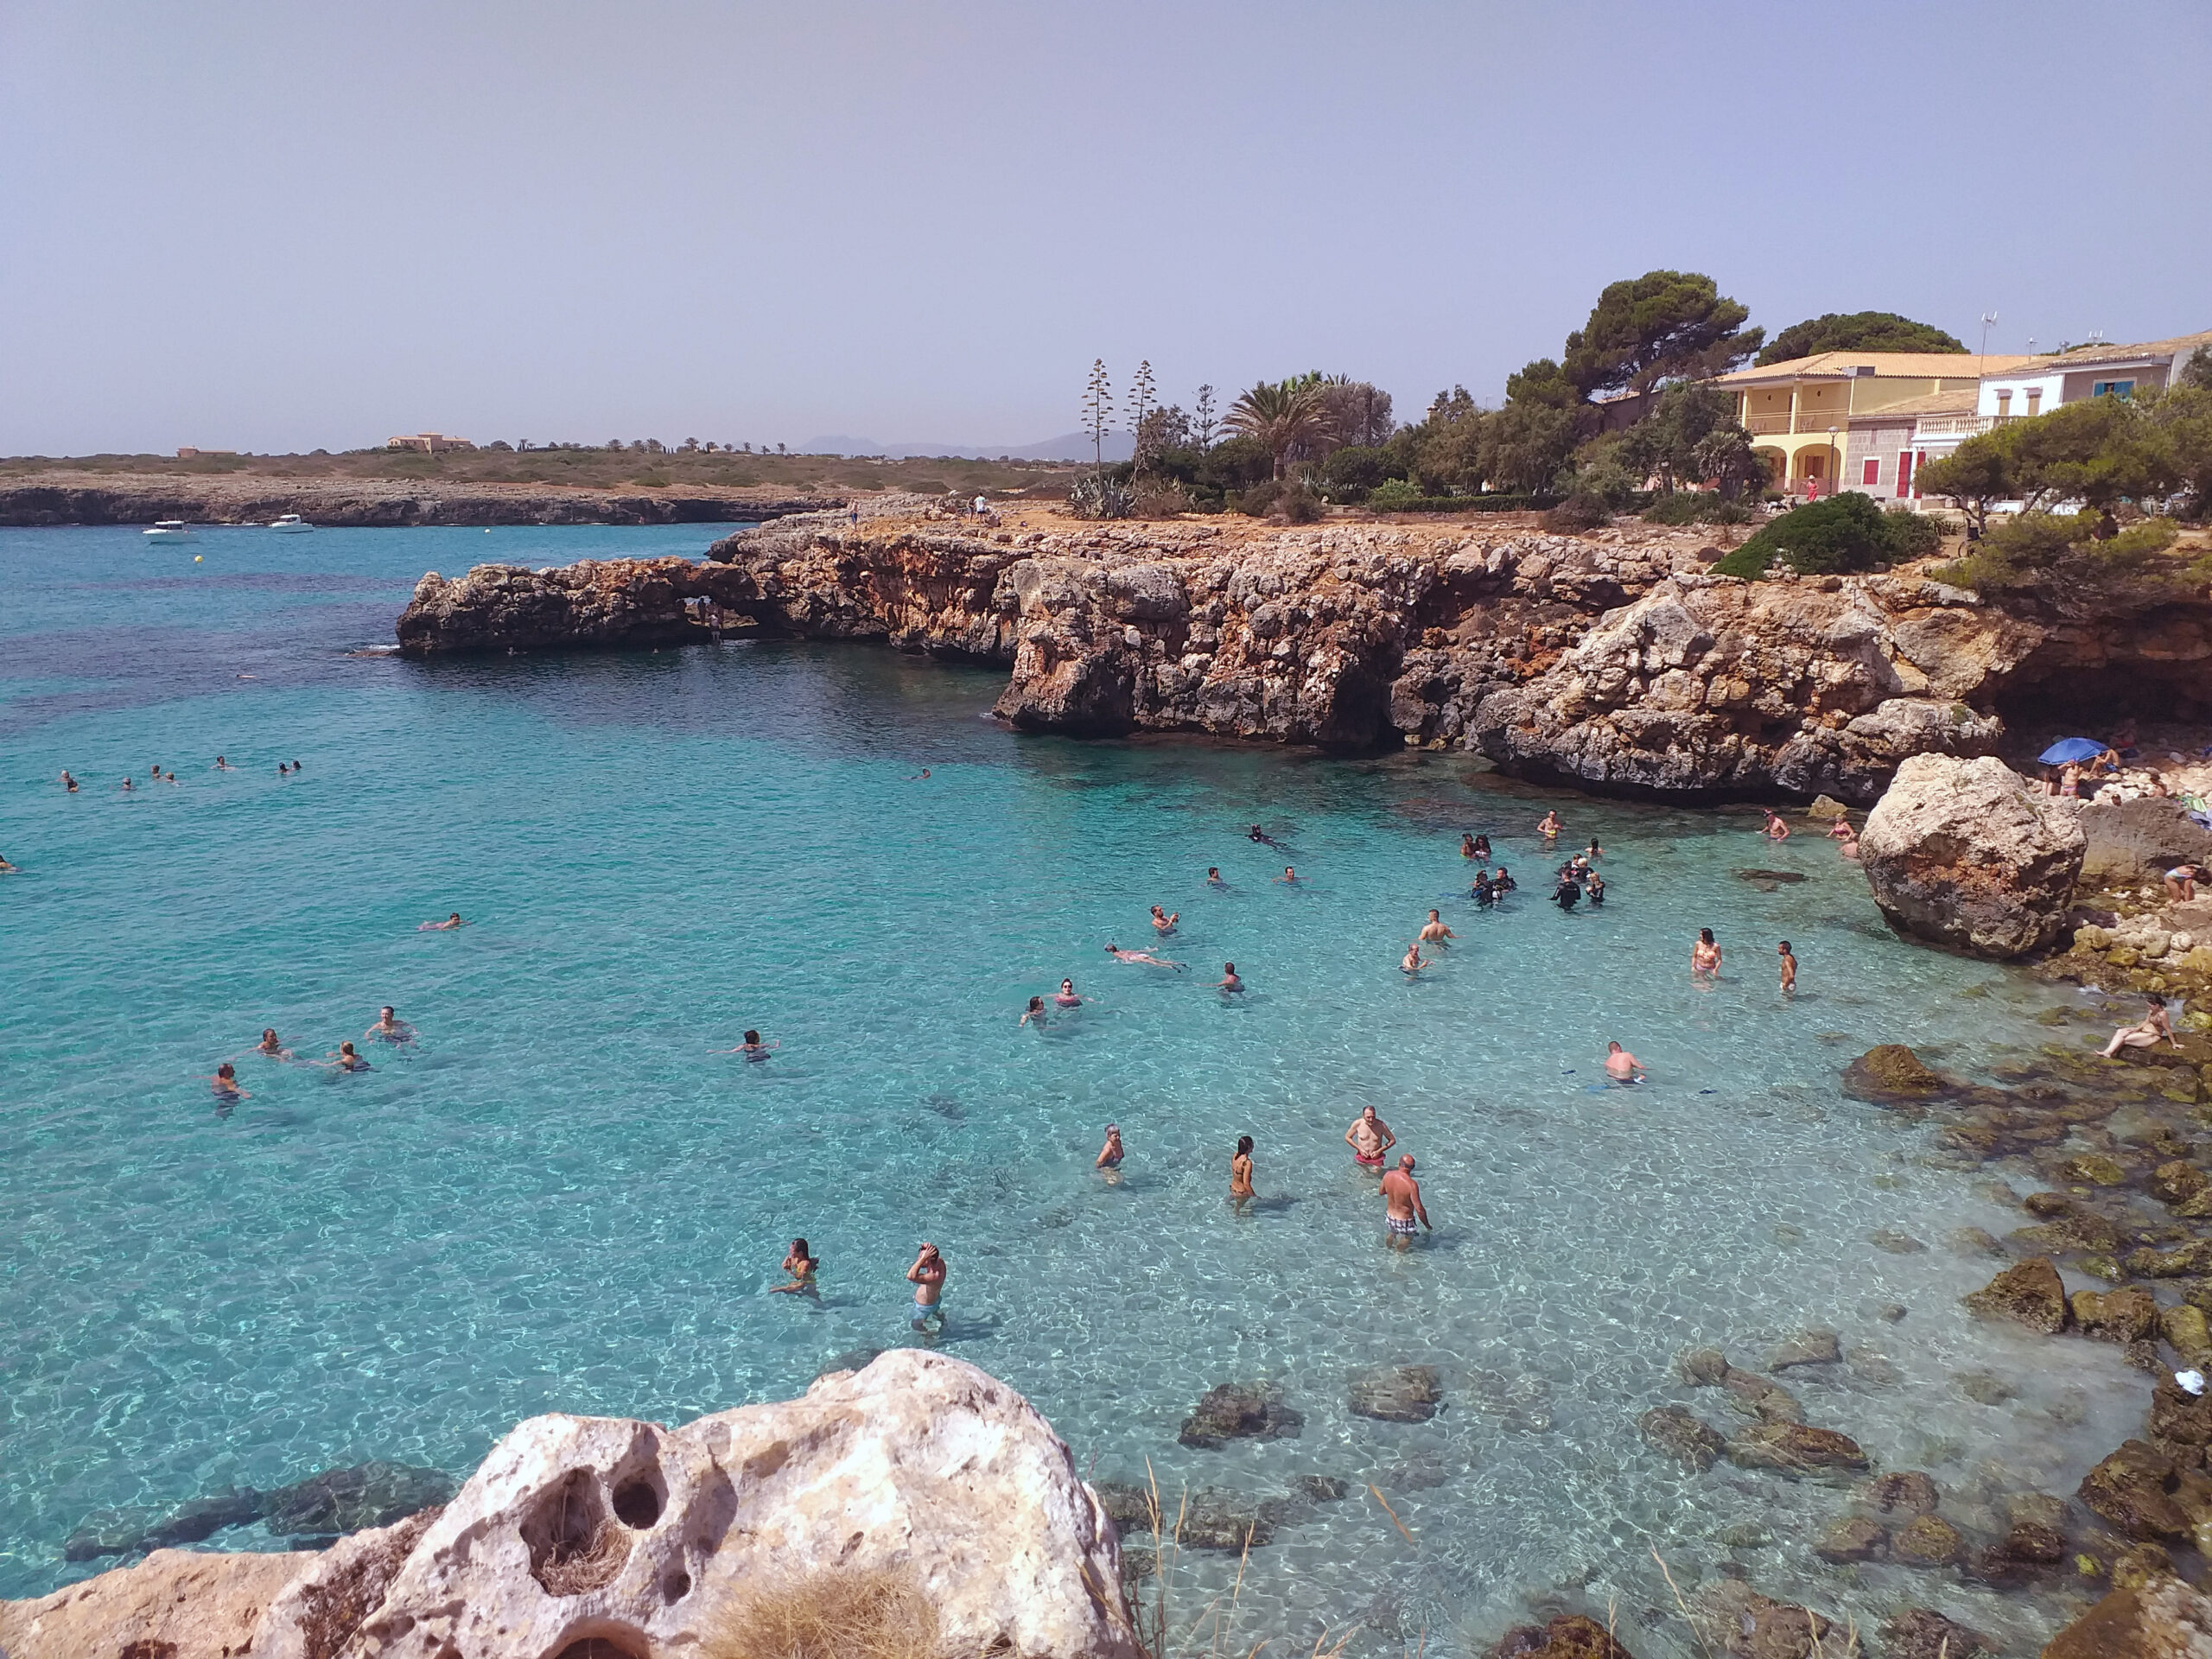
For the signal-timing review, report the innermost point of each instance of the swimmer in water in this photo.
(1288, 878)
(222, 765)
(1705, 956)
(1568, 892)
(1595, 884)
(1593, 852)
(1776, 828)
(1401, 1202)
(1109, 1155)
(1621, 1066)
(1264, 838)
(1213, 878)
(390, 1028)
(752, 1048)
(1482, 849)
(1467, 845)
(1240, 1175)
(6, 868)
(269, 1046)
(296, 766)
(928, 1276)
(226, 1083)
(1846, 839)
(127, 784)
(802, 1264)
(1789, 971)
(446, 925)
(1504, 882)
(1482, 893)
(1369, 1137)
(69, 782)
(1067, 998)
(1412, 962)
(1163, 924)
(1145, 957)
(1228, 981)
(1435, 931)
(919, 776)
(1549, 826)
(346, 1061)
(1034, 1014)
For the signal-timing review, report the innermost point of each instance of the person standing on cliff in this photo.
(1402, 1203)
(928, 1276)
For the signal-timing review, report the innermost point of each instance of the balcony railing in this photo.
(1808, 420)
(1960, 426)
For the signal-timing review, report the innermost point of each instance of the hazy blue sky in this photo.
(292, 225)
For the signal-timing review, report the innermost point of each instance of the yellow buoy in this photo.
(195, 558)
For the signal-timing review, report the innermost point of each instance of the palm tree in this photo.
(1279, 414)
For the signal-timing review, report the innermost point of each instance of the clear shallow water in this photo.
(560, 1199)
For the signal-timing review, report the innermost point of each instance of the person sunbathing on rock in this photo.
(2146, 1032)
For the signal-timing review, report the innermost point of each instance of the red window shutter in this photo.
(1872, 474)
(1904, 475)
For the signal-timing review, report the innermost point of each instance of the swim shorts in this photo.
(1365, 1162)
(1401, 1224)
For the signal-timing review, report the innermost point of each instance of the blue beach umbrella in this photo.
(2071, 749)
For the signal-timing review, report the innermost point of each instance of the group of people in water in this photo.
(69, 784)
(389, 1029)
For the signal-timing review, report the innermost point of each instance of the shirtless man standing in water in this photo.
(1435, 932)
(1370, 1137)
(1402, 1203)
(928, 1276)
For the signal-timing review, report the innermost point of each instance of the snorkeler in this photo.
(446, 925)
(390, 1028)
(1228, 981)
(1067, 998)
(1146, 956)
(1434, 932)
(802, 1264)
(1163, 924)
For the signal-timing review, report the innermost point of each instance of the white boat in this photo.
(169, 530)
(291, 524)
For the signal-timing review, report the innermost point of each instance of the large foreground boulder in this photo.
(1963, 854)
(640, 1538)
(2164, 1619)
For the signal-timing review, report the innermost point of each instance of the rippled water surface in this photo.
(562, 1198)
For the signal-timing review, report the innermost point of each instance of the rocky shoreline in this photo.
(348, 503)
(1614, 663)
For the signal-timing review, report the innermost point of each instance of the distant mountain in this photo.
(1073, 446)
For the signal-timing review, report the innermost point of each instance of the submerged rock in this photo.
(1890, 1072)
(1395, 1394)
(2030, 1292)
(2141, 1492)
(1686, 1438)
(1209, 1518)
(1730, 1616)
(346, 1500)
(1909, 1491)
(1892, 1242)
(1960, 851)
(1854, 1538)
(1239, 1410)
(1820, 1347)
(1570, 1637)
(1927, 1541)
(1922, 1633)
(1794, 1449)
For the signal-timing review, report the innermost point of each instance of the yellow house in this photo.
(1799, 412)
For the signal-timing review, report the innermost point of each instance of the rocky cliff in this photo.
(340, 502)
(919, 1482)
(1614, 661)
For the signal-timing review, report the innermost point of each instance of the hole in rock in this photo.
(676, 1587)
(573, 1546)
(603, 1647)
(637, 1505)
(2096, 698)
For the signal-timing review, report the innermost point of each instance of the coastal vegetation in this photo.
(1857, 331)
(1837, 535)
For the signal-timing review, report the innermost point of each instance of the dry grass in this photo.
(839, 1613)
(572, 1572)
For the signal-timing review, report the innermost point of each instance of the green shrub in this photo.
(1725, 513)
(1750, 561)
(2040, 549)
(1911, 535)
(1680, 508)
(1579, 512)
(1355, 468)
(1396, 495)
(1259, 500)
(1096, 496)
(1298, 505)
(1836, 535)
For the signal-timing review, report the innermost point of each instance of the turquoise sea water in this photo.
(562, 1198)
